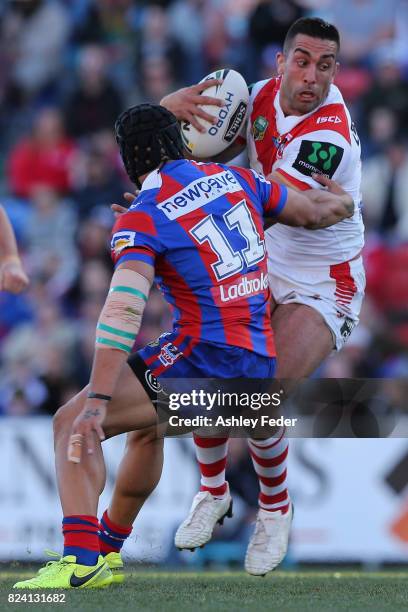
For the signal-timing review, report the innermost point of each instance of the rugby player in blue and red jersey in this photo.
(197, 228)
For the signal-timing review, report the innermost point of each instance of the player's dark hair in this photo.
(314, 27)
(147, 135)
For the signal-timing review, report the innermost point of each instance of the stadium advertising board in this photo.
(350, 497)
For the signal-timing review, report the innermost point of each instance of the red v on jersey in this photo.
(270, 144)
(323, 142)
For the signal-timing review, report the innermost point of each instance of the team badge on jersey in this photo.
(259, 127)
(318, 157)
(122, 240)
(280, 143)
(169, 354)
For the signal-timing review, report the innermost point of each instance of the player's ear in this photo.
(335, 71)
(280, 63)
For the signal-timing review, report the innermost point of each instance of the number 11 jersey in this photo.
(201, 226)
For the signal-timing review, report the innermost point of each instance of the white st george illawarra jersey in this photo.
(324, 141)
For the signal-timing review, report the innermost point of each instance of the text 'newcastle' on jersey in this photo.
(201, 226)
(323, 141)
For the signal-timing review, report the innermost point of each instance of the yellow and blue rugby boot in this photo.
(68, 574)
(115, 563)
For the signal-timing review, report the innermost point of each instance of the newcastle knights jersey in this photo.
(201, 226)
(323, 141)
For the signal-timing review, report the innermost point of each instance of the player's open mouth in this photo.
(307, 95)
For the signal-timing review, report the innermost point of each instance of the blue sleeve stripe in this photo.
(136, 257)
(282, 200)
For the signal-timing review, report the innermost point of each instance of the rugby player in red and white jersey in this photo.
(299, 133)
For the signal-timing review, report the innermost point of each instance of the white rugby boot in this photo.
(269, 542)
(206, 511)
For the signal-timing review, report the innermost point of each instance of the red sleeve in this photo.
(135, 237)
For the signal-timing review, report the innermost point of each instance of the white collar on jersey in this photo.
(285, 124)
(152, 181)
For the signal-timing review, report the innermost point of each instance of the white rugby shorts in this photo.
(336, 291)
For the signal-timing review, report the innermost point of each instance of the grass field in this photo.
(232, 591)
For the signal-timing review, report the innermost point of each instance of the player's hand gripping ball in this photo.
(230, 117)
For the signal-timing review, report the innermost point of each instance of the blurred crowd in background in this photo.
(68, 67)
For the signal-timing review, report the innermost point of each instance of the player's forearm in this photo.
(118, 326)
(106, 368)
(328, 209)
(8, 245)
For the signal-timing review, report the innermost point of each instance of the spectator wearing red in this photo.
(45, 157)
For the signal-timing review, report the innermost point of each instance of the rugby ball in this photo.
(230, 118)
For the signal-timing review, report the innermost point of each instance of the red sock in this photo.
(111, 535)
(269, 459)
(212, 460)
(81, 538)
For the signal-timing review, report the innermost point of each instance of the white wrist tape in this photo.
(120, 319)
